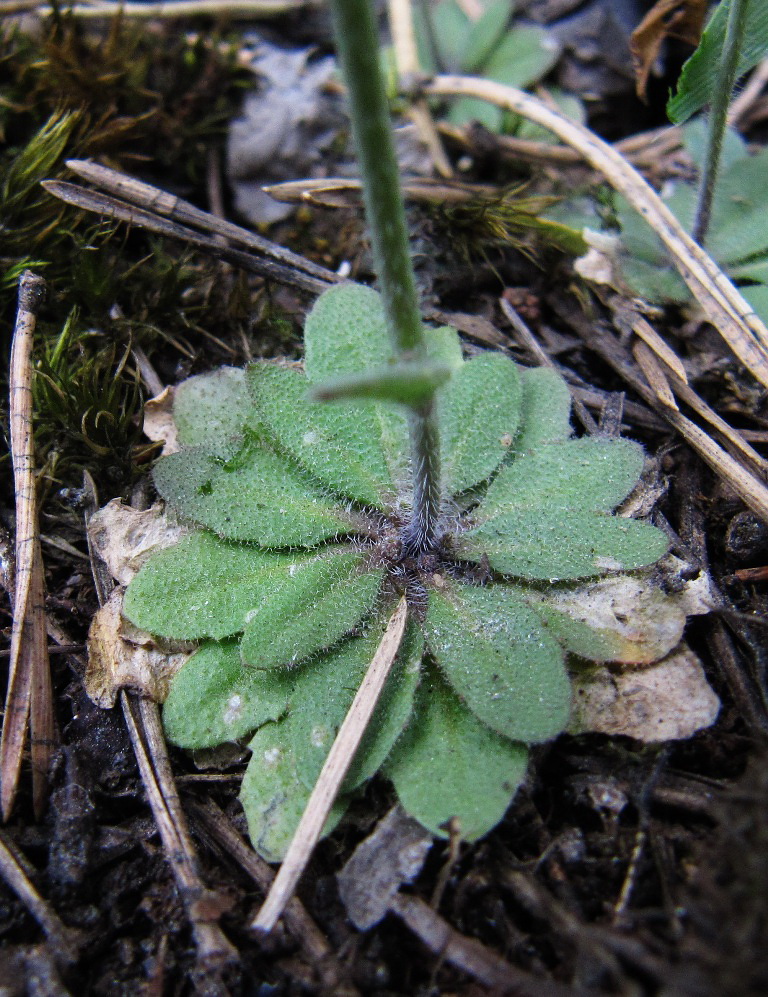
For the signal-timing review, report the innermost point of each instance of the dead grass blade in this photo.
(332, 774)
(29, 681)
(724, 306)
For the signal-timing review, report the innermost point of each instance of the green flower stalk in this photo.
(358, 49)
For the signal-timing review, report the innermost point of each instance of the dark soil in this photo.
(620, 868)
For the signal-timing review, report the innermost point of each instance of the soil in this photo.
(620, 868)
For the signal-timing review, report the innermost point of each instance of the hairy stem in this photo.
(726, 77)
(358, 47)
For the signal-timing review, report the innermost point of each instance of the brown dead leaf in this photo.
(683, 19)
(668, 701)
(125, 537)
(158, 421)
(122, 657)
(642, 621)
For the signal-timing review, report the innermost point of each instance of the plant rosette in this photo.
(296, 562)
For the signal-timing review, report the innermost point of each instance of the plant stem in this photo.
(726, 77)
(358, 47)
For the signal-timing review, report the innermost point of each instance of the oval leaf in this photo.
(253, 495)
(273, 796)
(479, 412)
(214, 699)
(590, 473)
(307, 604)
(449, 765)
(545, 409)
(213, 582)
(559, 544)
(496, 654)
(211, 409)
(359, 451)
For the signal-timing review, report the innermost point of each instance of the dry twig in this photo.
(332, 774)
(736, 322)
(29, 698)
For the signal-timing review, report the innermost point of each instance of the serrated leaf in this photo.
(407, 383)
(324, 692)
(447, 764)
(214, 699)
(545, 409)
(695, 86)
(590, 473)
(251, 495)
(213, 584)
(273, 796)
(478, 412)
(496, 654)
(358, 450)
(307, 605)
(561, 544)
(211, 409)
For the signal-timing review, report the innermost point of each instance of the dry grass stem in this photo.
(239, 9)
(737, 323)
(29, 696)
(333, 772)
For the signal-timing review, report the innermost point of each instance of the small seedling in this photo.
(303, 550)
(450, 41)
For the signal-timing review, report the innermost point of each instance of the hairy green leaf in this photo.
(694, 88)
(324, 692)
(360, 450)
(306, 605)
(555, 544)
(447, 764)
(545, 409)
(346, 333)
(214, 583)
(210, 410)
(273, 796)
(214, 699)
(478, 412)
(496, 654)
(252, 495)
(590, 473)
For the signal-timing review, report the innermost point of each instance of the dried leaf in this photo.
(121, 657)
(389, 857)
(681, 19)
(670, 700)
(159, 423)
(125, 538)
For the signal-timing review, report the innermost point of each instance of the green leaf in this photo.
(447, 764)
(545, 409)
(360, 451)
(450, 26)
(444, 346)
(273, 796)
(212, 582)
(694, 88)
(496, 654)
(557, 544)
(407, 383)
(346, 333)
(478, 412)
(214, 699)
(485, 34)
(324, 692)
(524, 56)
(210, 410)
(307, 605)
(252, 495)
(590, 473)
